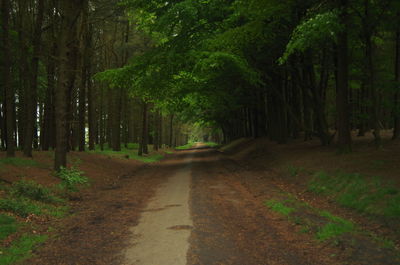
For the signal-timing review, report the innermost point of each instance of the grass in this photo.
(130, 153)
(279, 207)
(8, 226)
(34, 191)
(335, 227)
(366, 195)
(18, 162)
(20, 249)
(332, 230)
(332, 227)
(212, 144)
(184, 147)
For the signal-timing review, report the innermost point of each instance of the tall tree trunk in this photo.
(49, 108)
(171, 130)
(144, 137)
(70, 11)
(86, 42)
(10, 98)
(31, 93)
(156, 131)
(342, 90)
(396, 112)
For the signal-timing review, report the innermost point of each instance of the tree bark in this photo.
(144, 137)
(342, 89)
(10, 98)
(70, 11)
(396, 112)
(31, 93)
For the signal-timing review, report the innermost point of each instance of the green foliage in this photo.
(369, 196)
(279, 207)
(20, 249)
(212, 144)
(132, 146)
(332, 230)
(71, 179)
(8, 226)
(20, 206)
(131, 154)
(184, 147)
(18, 162)
(34, 191)
(312, 32)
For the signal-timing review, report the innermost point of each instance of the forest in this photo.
(231, 131)
(76, 74)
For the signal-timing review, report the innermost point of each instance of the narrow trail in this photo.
(224, 225)
(161, 237)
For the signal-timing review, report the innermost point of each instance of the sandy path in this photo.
(161, 237)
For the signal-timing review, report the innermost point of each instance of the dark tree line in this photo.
(50, 51)
(282, 69)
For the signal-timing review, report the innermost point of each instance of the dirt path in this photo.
(161, 237)
(192, 208)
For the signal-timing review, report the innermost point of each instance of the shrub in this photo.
(34, 191)
(71, 179)
(20, 206)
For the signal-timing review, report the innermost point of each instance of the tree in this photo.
(9, 91)
(70, 12)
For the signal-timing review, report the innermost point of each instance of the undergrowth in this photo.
(19, 162)
(184, 147)
(335, 227)
(130, 153)
(8, 226)
(20, 249)
(370, 196)
(279, 207)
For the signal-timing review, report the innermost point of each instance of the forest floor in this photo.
(251, 202)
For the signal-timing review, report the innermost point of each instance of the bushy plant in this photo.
(20, 206)
(71, 179)
(34, 191)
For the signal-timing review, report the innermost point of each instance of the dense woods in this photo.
(80, 75)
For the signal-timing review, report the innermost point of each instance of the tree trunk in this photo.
(171, 130)
(70, 11)
(10, 98)
(144, 137)
(31, 93)
(342, 89)
(396, 112)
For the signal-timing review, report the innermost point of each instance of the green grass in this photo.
(212, 144)
(332, 230)
(8, 226)
(335, 227)
(355, 191)
(128, 153)
(184, 147)
(20, 249)
(18, 162)
(20, 206)
(34, 191)
(279, 207)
